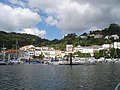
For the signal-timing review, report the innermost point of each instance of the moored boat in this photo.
(2, 62)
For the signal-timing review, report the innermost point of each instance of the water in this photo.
(55, 77)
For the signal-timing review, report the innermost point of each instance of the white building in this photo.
(69, 48)
(27, 47)
(38, 51)
(107, 46)
(89, 49)
(117, 45)
(83, 36)
(30, 49)
(78, 48)
(98, 36)
(115, 37)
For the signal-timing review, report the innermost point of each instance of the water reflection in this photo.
(50, 77)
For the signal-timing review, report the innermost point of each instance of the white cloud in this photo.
(34, 31)
(51, 21)
(80, 15)
(21, 3)
(11, 19)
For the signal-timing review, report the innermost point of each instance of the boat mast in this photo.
(16, 55)
(85, 52)
(3, 50)
(16, 49)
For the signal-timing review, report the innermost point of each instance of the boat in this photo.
(56, 62)
(2, 62)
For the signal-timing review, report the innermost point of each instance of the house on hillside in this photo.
(83, 36)
(98, 36)
(115, 37)
(107, 46)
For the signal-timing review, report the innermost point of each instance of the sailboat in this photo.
(2, 61)
(16, 57)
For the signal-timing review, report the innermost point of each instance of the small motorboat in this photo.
(3, 62)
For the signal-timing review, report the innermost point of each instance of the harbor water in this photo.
(60, 77)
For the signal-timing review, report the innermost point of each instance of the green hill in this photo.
(111, 30)
(10, 39)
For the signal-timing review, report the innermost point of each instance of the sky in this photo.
(52, 19)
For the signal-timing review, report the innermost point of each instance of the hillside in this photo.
(74, 39)
(112, 29)
(10, 39)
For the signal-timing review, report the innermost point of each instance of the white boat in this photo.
(55, 62)
(3, 62)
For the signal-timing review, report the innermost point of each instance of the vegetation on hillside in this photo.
(10, 39)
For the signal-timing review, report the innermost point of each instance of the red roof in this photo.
(12, 51)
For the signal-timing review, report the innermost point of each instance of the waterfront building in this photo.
(38, 51)
(27, 47)
(78, 48)
(69, 48)
(91, 49)
(88, 49)
(48, 52)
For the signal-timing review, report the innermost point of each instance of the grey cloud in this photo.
(80, 15)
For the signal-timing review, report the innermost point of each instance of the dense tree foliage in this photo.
(111, 30)
(83, 55)
(112, 53)
(10, 39)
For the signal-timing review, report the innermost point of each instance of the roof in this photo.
(12, 51)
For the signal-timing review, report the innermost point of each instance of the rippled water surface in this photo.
(55, 77)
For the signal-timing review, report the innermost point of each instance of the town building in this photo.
(98, 36)
(69, 48)
(88, 49)
(115, 37)
(107, 46)
(117, 45)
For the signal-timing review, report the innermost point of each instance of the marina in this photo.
(59, 45)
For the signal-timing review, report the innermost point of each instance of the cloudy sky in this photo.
(54, 18)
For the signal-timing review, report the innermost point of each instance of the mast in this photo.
(16, 55)
(85, 52)
(3, 50)
(16, 49)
